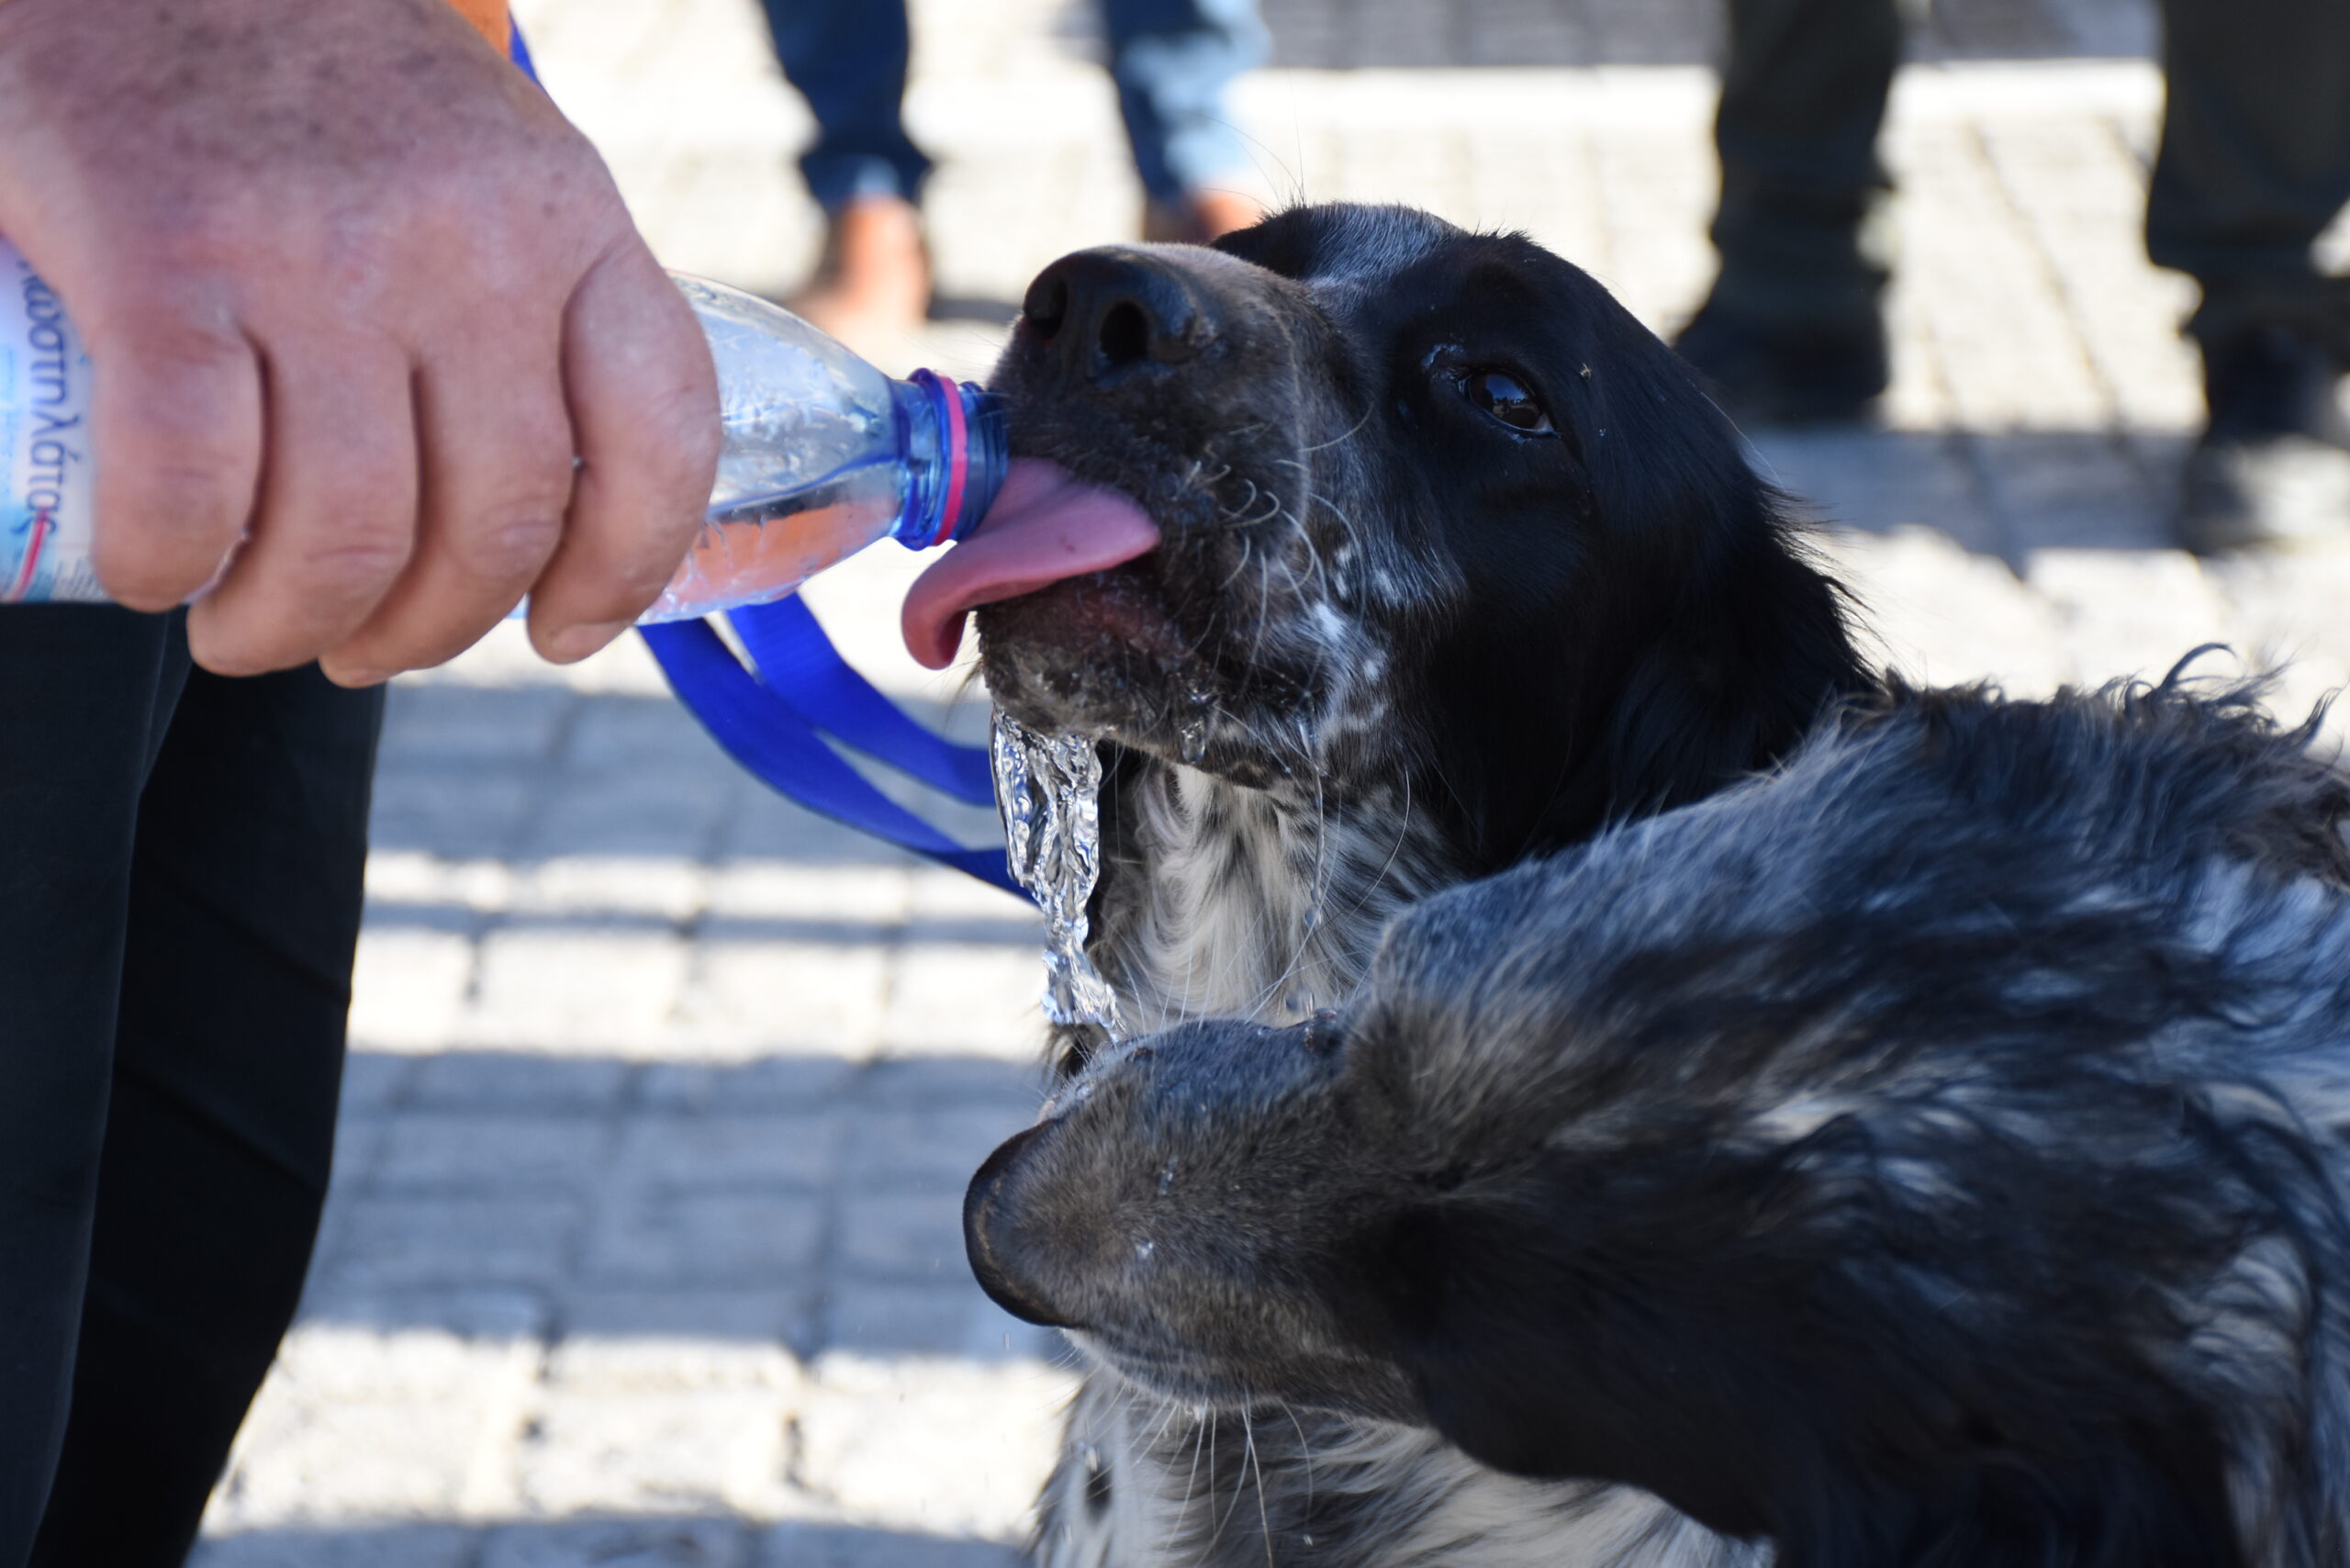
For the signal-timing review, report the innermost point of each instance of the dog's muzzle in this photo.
(1002, 1240)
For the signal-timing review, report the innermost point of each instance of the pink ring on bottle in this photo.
(41, 529)
(957, 453)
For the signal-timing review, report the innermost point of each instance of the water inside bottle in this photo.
(1048, 789)
(762, 546)
(811, 473)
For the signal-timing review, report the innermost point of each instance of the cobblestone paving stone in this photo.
(643, 1245)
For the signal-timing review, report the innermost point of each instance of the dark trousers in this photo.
(180, 869)
(2255, 160)
(1172, 60)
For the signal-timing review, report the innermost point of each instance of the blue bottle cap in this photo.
(971, 431)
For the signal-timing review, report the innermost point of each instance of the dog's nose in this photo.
(993, 1239)
(1111, 309)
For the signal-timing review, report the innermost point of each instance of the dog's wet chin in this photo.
(1372, 1390)
(1098, 654)
(1104, 655)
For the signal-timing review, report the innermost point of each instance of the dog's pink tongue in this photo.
(1045, 526)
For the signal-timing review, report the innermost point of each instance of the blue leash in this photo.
(774, 715)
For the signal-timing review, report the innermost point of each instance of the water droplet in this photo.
(1143, 1250)
(1167, 1178)
(1194, 732)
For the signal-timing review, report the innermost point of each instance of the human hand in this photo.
(355, 293)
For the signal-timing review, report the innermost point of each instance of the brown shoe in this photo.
(872, 287)
(1201, 217)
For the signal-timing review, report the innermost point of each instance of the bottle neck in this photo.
(956, 458)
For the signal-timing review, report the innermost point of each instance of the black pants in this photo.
(2255, 160)
(180, 869)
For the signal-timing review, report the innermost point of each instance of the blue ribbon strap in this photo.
(781, 740)
(799, 665)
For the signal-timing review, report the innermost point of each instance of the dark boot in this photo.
(1823, 370)
(2272, 468)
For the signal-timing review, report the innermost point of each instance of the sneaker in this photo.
(2272, 468)
(1198, 218)
(872, 287)
(1825, 371)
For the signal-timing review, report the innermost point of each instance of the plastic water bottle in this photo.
(824, 455)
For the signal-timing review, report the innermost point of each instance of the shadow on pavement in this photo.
(2003, 493)
(810, 1201)
(1339, 34)
(526, 773)
(597, 1543)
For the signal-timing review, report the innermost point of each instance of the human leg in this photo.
(1791, 328)
(1173, 63)
(849, 59)
(244, 905)
(88, 695)
(2255, 163)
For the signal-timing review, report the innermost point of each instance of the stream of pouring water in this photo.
(1048, 789)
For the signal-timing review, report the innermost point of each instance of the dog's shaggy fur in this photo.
(1458, 564)
(1932, 1154)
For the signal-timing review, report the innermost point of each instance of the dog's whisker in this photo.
(1347, 435)
(1237, 567)
(1264, 1522)
(1233, 1507)
(1305, 1451)
(1190, 1481)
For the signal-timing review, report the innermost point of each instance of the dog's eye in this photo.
(1505, 397)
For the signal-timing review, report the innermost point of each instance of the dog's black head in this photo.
(1925, 1155)
(1437, 515)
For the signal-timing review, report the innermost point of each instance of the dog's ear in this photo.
(1743, 666)
(1855, 1434)
(1685, 639)
(1511, 1355)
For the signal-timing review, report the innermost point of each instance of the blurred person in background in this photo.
(363, 310)
(1173, 61)
(2255, 163)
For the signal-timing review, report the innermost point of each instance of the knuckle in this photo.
(200, 490)
(192, 330)
(353, 564)
(508, 542)
(172, 351)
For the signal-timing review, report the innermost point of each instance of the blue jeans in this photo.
(1172, 60)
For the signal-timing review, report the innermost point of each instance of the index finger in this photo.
(644, 399)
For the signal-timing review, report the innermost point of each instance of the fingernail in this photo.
(357, 677)
(575, 642)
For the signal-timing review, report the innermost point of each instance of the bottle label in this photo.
(45, 502)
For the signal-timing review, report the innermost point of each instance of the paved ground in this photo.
(643, 1246)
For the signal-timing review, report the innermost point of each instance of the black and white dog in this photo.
(1937, 1153)
(1455, 565)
